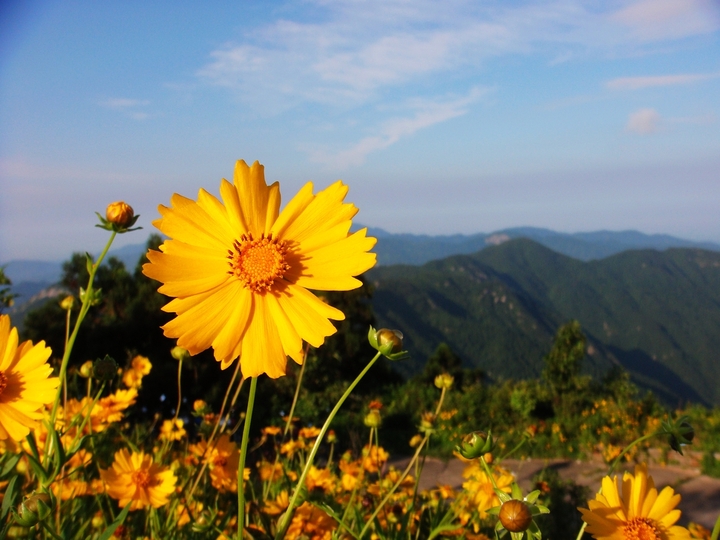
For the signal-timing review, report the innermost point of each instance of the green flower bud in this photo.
(35, 508)
(680, 432)
(67, 303)
(180, 354)
(104, 369)
(373, 419)
(476, 444)
(388, 342)
(444, 380)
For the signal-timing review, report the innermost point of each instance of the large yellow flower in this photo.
(240, 269)
(638, 512)
(135, 478)
(25, 385)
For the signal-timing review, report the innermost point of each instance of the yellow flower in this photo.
(134, 478)
(374, 458)
(25, 385)
(172, 430)
(310, 522)
(240, 269)
(636, 511)
(222, 460)
(480, 488)
(140, 366)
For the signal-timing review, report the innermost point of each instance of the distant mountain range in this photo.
(655, 313)
(650, 303)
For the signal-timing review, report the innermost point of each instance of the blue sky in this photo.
(443, 117)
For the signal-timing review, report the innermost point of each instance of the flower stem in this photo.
(243, 455)
(179, 387)
(716, 530)
(86, 303)
(286, 517)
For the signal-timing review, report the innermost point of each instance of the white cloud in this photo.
(358, 50)
(426, 115)
(123, 103)
(638, 83)
(643, 122)
(650, 20)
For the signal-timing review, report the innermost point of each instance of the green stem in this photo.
(285, 519)
(297, 394)
(83, 311)
(616, 461)
(243, 455)
(179, 387)
(716, 530)
(397, 484)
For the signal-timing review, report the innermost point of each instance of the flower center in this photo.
(258, 263)
(641, 528)
(3, 382)
(220, 461)
(141, 478)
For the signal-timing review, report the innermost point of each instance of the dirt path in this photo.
(700, 494)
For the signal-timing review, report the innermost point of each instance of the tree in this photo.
(563, 362)
(6, 297)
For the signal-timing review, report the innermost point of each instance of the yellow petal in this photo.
(253, 195)
(262, 350)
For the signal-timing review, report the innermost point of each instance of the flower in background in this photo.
(134, 478)
(139, 367)
(310, 522)
(25, 382)
(479, 486)
(172, 430)
(240, 269)
(635, 511)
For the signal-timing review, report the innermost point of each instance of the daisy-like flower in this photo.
(134, 478)
(140, 366)
(635, 510)
(480, 487)
(239, 270)
(172, 430)
(25, 384)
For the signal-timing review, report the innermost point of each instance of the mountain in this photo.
(655, 313)
(419, 249)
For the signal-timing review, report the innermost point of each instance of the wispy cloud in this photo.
(643, 122)
(652, 20)
(638, 83)
(129, 107)
(426, 114)
(361, 49)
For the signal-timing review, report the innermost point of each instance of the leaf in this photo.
(107, 533)
(8, 498)
(9, 465)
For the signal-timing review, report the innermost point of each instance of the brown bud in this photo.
(120, 213)
(385, 336)
(515, 515)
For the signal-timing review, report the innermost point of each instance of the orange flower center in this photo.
(220, 461)
(141, 478)
(641, 528)
(3, 382)
(258, 263)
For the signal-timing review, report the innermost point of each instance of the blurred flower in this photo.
(271, 431)
(373, 458)
(25, 382)
(139, 367)
(240, 270)
(311, 523)
(67, 303)
(179, 354)
(172, 430)
(373, 419)
(479, 486)
(222, 460)
(444, 380)
(134, 478)
(309, 432)
(634, 511)
(278, 506)
(417, 439)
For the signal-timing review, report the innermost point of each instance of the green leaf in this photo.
(107, 533)
(8, 498)
(9, 465)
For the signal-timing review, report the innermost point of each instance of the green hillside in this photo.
(655, 313)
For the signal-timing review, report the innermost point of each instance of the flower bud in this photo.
(331, 437)
(67, 303)
(680, 433)
(427, 422)
(416, 440)
(35, 508)
(388, 342)
(120, 213)
(476, 444)
(200, 406)
(104, 369)
(515, 516)
(373, 419)
(86, 370)
(180, 354)
(444, 380)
